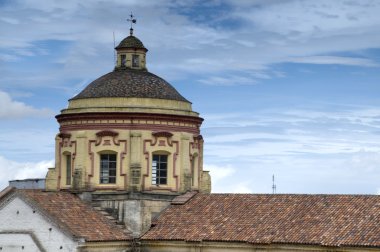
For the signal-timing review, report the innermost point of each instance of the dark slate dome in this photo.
(130, 83)
(131, 42)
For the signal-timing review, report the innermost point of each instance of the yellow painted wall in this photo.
(128, 53)
(134, 105)
(134, 149)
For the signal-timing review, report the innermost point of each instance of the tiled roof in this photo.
(131, 42)
(72, 214)
(326, 220)
(130, 83)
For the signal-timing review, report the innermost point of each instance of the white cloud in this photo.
(11, 170)
(349, 61)
(293, 133)
(218, 173)
(228, 81)
(10, 109)
(242, 187)
(309, 151)
(273, 32)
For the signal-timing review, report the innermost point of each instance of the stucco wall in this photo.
(21, 225)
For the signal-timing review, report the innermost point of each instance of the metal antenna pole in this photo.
(114, 51)
(273, 185)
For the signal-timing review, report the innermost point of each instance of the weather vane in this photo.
(133, 21)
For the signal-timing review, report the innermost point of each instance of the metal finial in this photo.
(133, 21)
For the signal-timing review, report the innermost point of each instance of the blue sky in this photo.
(286, 87)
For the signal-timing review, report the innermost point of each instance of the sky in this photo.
(288, 88)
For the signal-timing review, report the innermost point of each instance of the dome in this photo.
(130, 83)
(131, 42)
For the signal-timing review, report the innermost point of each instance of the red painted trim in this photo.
(73, 154)
(127, 116)
(147, 157)
(91, 155)
(123, 154)
(174, 165)
(150, 127)
(162, 134)
(77, 120)
(107, 133)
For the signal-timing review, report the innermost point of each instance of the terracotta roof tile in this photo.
(70, 212)
(130, 83)
(327, 220)
(131, 42)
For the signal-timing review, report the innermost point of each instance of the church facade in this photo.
(129, 176)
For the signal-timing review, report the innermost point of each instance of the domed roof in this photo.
(131, 42)
(130, 83)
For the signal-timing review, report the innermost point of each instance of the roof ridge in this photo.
(292, 194)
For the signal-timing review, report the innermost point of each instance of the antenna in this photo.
(114, 51)
(274, 188)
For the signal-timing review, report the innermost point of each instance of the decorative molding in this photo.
(140, 121)
(162, 134)
(147, 154)
(122, 156)
(161, 143)
(130, 126)
(92, 157)
(198, 138)
(104, 133)
(64, 135)
(64, 144)
(127, 116)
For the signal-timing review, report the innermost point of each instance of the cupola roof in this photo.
(131, 42)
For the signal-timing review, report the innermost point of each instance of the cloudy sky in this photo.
(286, 87)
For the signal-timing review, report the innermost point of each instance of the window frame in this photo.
(160, 168)
(135, 60)
(123, 60)
(106, 166)
(68, 166)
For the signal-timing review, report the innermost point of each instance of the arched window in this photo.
(159, 169)
(108, 163)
